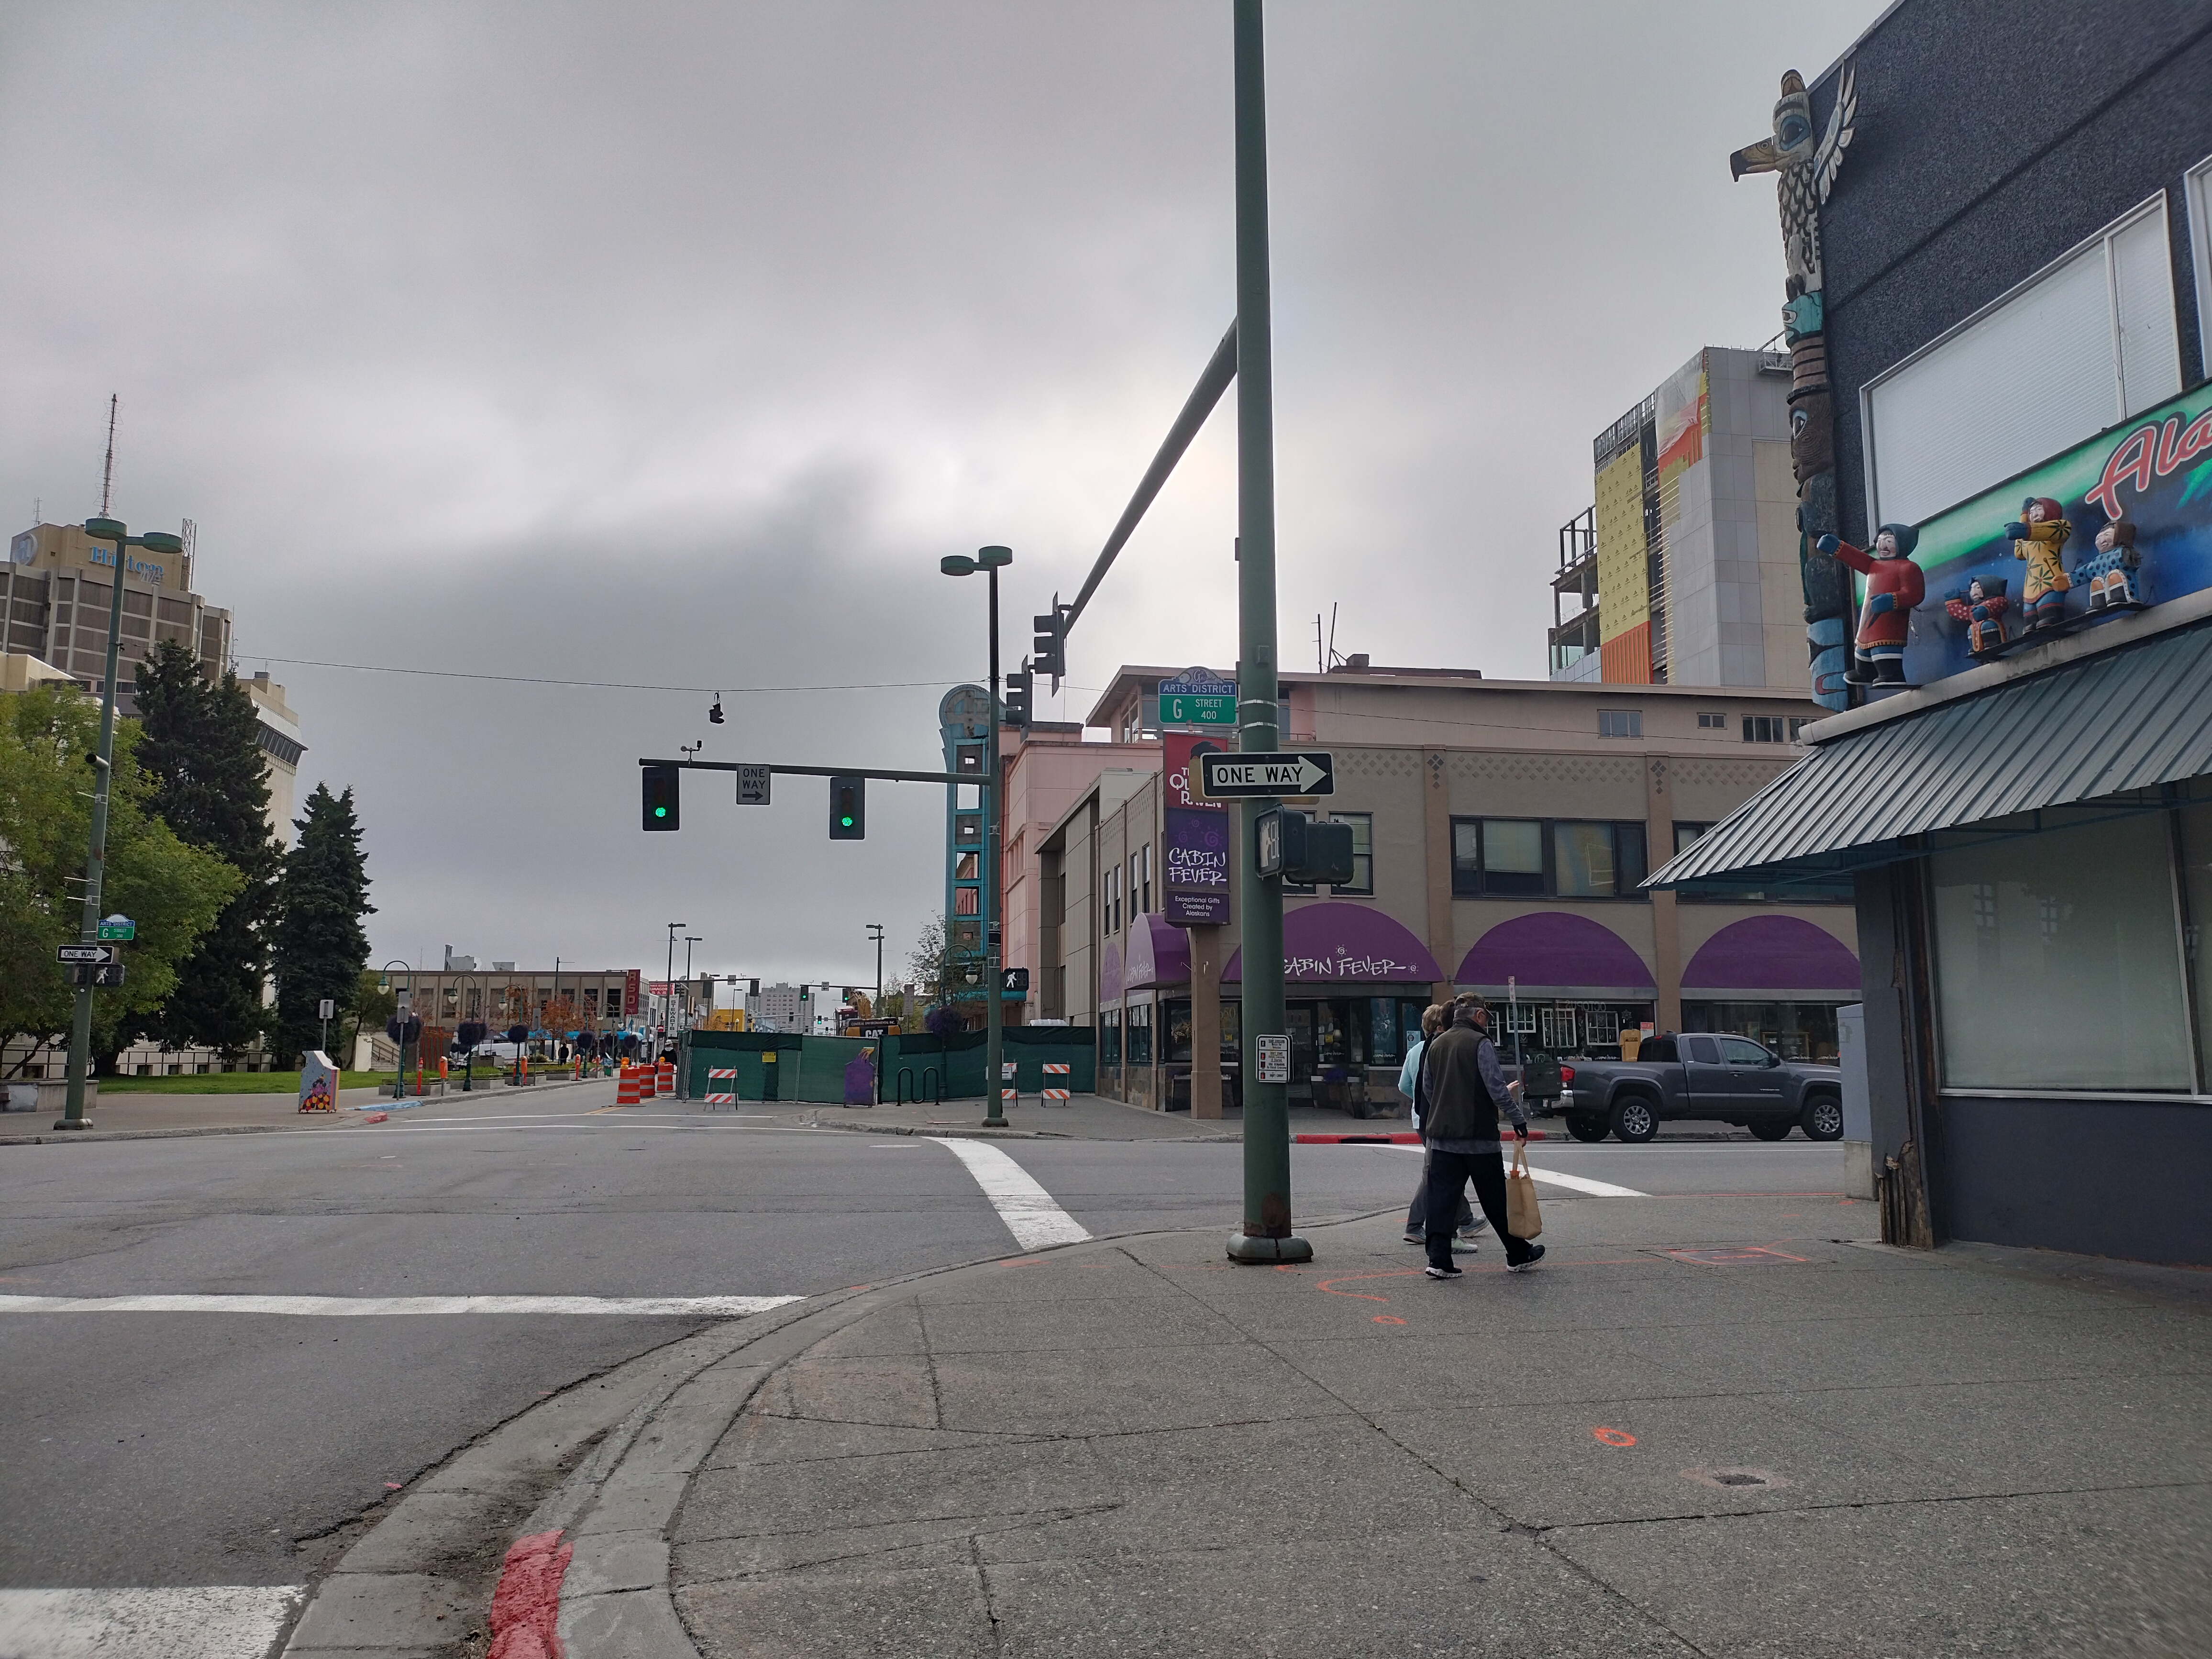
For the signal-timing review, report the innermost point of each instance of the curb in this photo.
(1378, 1140)
(953, 1131)
(385, 1595)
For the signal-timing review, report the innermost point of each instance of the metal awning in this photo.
(2122, 727)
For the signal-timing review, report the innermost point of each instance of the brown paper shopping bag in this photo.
(1523, 1219)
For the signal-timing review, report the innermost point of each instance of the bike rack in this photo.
(931, 1077)
(899, 1095)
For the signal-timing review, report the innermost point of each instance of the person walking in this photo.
(1466, 1096)
(1409, 1084)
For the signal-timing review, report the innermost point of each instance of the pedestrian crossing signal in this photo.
(848, 809)
(662, 805)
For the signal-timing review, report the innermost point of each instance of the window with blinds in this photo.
(2198, 184)
(2081, 346)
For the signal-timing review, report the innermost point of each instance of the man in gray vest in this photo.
(1467, 1098)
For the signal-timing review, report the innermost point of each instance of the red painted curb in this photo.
(1379, 1140)
(525, 1608)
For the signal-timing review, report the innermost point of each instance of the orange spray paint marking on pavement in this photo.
(1387, 1319)
(1613, 1436)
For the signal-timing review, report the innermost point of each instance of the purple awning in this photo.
(1109, 971)
(1156, 954)
(1348, 943)
(1772, 953)
(1556, 951)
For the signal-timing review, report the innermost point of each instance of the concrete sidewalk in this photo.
(1715, 1427)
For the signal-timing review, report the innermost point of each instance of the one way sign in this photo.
(99, 954)
(1307, 773)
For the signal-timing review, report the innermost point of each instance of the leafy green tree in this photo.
(202, 746)
(174, 892)
(321, 949)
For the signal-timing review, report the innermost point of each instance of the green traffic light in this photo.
(661, 811)
(846, 821)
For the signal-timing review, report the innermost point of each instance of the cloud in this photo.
(676, 342)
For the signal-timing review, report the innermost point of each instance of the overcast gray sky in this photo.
(675, 343)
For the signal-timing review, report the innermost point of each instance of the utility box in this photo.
(1858, 1109)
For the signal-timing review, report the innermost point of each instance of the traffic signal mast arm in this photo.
(825, 772)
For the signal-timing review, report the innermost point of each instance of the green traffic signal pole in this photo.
(80, 1056)
(1266, 1235)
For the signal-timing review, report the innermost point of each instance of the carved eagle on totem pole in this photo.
(1807, 173)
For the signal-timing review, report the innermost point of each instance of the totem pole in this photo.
(1808, 172)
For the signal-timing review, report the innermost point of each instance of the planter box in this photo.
(48, 1095)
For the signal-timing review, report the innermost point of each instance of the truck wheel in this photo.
(1583, 1127)
(1771, 1128)
(1824, 1118)
(1634, 1121)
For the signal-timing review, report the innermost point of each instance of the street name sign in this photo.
(1198, 697)
(101, 954)
(752, 786)
(117, 926)
(326, 1009)
(1231, 776)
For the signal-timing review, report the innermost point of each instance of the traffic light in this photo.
(1018, 697)
(663, 810)
(1051, 647)
(1302, 850)
(848, 809)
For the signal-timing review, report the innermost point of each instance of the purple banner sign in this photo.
(1198, 847)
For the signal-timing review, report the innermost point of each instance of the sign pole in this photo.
(994, 1040)
(1266, 1235)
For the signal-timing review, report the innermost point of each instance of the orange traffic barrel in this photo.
(626, 1092)
(665, 1082)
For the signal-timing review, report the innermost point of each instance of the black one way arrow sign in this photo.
(1229, 775)
(94, 953)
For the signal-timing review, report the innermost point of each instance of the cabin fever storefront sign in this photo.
(1345, 966)
(1200, 835)
(2109, 526)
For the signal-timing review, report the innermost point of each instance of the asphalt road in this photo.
(175, 1448)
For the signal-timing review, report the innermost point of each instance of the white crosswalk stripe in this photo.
(706, 1307)
(204, 1621)
(1031, 1214)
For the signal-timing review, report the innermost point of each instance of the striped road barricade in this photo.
(721, 1074)
(1055, 1089)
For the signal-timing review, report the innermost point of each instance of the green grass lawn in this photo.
(230, 1083)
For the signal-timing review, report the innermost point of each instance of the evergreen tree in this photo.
(202, 745)
(321, 947)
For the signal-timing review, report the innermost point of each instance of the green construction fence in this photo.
(813, 1068)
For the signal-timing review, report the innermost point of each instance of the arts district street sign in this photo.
(1306, 773)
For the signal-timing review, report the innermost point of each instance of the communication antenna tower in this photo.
(108, 473)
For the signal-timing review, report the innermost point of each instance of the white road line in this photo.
(1577, 1183)
(207, 1621)
(1029, 1210)
(343, 1307)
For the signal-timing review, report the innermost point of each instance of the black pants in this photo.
(1448, 1174)
(1417, 1216)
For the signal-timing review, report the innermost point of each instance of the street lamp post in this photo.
(989, 560)
(668, 985)
(1266, 1235)
(876, 932)
(690, 939)
(384, 983)
(80, 1055)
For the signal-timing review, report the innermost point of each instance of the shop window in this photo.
(2081, 345)
(1620, 722)
(1138, 1025)
(2196, 935)
(2058, 961)
(1175, 1017)
(1110, 1037)
(1363, 852)
(1795, 1030)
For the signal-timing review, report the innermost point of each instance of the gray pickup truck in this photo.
(1718, 1079)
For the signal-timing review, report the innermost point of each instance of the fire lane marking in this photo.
(1031, 1214)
